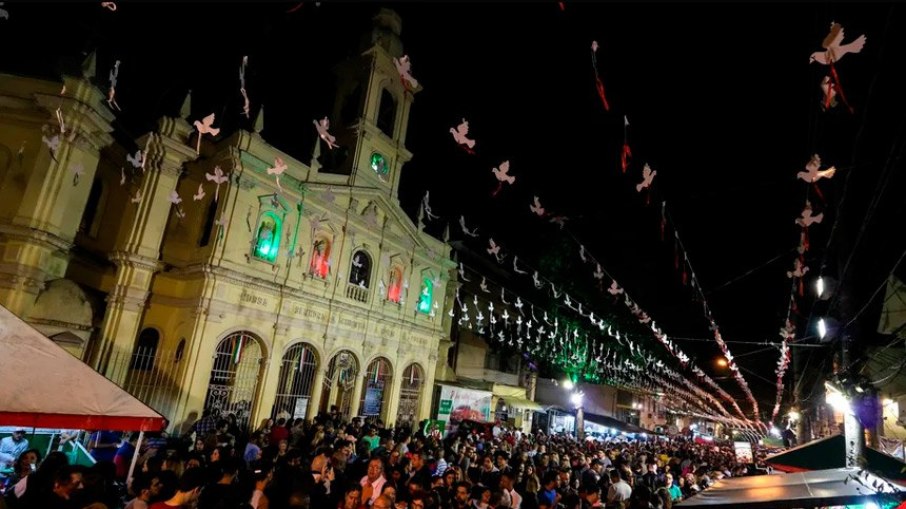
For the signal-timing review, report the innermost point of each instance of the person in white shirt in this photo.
(619, 490)
(373, 481)
(510, 498)
(11, 447)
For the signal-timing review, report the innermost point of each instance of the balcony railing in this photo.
(356, 292)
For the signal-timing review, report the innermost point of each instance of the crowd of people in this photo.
(329, 463)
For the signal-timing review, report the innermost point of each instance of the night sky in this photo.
(721, 101)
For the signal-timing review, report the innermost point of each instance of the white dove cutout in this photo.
(516, 267)
(138, 160)
(277, 170)
(813, 171)
(111, 92)
(536, 280)
(494, 249)
(404, 67)
(799, 270)
(200, 194)
(484, 285)
(647, 177)
(834, 49)
(599, 274)
(807, 219)
(176, 200)
(218, 178)
(460, 136)
(322, 126)
(205, 126)
(138, 196)
(502, 175)
(462, 225)
(614, 288)
(245, 107)
(536, 207)
(122, 176)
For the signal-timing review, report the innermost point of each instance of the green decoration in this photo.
(379, 164)
(426, 297)
(267, 241)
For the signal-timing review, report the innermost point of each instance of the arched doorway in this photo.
(339, 383)
(410, 394)
(297, 377)
(377, 385)
(237, 369)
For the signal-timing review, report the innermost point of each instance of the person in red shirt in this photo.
(190, 486)
(279, 432)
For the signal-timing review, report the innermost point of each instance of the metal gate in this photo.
(339, 383)
(234, 378)
(410, 395)
(297, 374)
(377, 383)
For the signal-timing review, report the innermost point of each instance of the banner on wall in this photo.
(457, 404)
(374, 398)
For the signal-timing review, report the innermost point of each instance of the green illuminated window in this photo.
(426, 297)
(379, 164)
(267, 242)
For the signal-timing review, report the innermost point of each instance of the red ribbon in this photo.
(600, 86)
(625, 156)
(835, 82)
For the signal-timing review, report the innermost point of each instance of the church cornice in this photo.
(32, 235)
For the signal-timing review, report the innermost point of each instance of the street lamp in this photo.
(722, 362)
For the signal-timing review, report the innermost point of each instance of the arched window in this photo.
(320, 258)
(426, 296)
(296, 382)
(395, 290)
(267, 240)
(145, 350)
(410, 394)
(360, 271)
(386, 119)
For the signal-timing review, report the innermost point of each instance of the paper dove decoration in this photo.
(200, 194)
(277, 170)
(462, 225)
(404, 67)
(834, 49)
(614, 288)
(245, 106)
(799, 269)
(536, 207)
(813, 171)
(459, 135)
(502, 175)
(647, 177)
(807, 219)
(218, 178)
(111, 92)
(205, 127)
(138, 160)
(494, 249)
(111, 6)
(322, 126)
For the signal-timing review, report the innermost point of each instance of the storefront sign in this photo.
(743, 452)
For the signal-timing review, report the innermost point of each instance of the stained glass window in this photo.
(379, 164)
(267, 242)
(426, 297)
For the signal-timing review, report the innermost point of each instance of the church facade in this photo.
(221, 272)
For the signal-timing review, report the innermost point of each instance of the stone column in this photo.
(356, 395)
(424, 411)
(138, 245)
(392, 405)
(316, 392)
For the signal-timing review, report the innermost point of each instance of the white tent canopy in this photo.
(44, 386)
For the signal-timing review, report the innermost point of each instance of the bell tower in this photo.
(371, 112)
